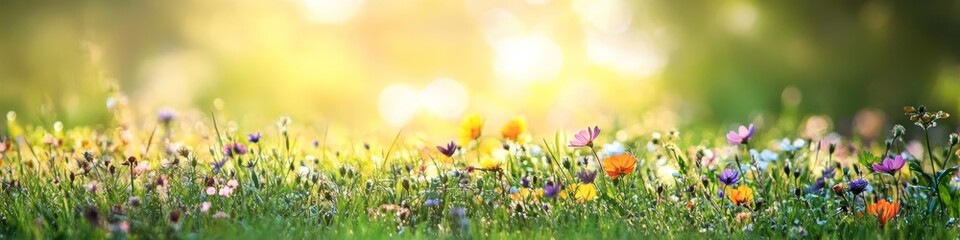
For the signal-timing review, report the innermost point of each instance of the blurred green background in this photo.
(414, 63)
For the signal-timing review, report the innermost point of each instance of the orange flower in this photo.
(619, 165)
(514, 128)
(741, 195)
(884, 211)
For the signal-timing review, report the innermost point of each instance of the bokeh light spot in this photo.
(398, 104)
(331, 11)
(527, 59)
(445, 98)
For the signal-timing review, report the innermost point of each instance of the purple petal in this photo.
(583, 136)
(734, 138)
(878, 168)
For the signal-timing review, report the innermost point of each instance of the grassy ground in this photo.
(173, 182)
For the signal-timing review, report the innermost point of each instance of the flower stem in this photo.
(600, 163)
(933, 167)
(739, 168)
(947, 157)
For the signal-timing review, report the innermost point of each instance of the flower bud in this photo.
(898, 131)
(888, 143)
(954, 139)
(839, 189)
(833, 147)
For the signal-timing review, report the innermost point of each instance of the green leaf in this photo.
(947, 199)
(925, 178)
(946, 173)
(867, 158)
(931, 205)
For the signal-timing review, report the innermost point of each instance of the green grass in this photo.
(349, 193)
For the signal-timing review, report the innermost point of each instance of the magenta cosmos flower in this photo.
(585, 137)
(741, 136)
(890, 165)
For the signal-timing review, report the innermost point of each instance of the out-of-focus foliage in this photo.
(557, 62)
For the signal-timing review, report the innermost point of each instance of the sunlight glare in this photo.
(527, 59)
(445, 98)
(398, 104)
(331, 11)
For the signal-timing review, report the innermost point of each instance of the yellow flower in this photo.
(526, 193)
(488, 146)
(581, 192)
(493, 160)
(514, 128)
(741, 195)
(470, 128)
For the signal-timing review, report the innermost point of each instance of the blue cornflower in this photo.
(858, 186)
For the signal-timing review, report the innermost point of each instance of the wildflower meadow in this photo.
(479, 119)
(168, 181)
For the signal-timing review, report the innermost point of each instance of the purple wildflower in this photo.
(817, 187)
(219, 165)
(551, 189)
(449, 150)
(254, 137)
(233, 149)
(741, 136)
(720, 193)
(166, 115)
(858, 186)
(525, 182)
(729, 177)
(587, 177)
(890, 165)
(585, 137)
(828, 173)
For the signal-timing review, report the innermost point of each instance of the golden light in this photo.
(331, 11)
(633, 54)
(445, 98)
(527, 59)
(399, 103)
(609, 16)
(740, 16)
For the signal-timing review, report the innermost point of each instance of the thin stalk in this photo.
(949, 155)
(926, 136)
